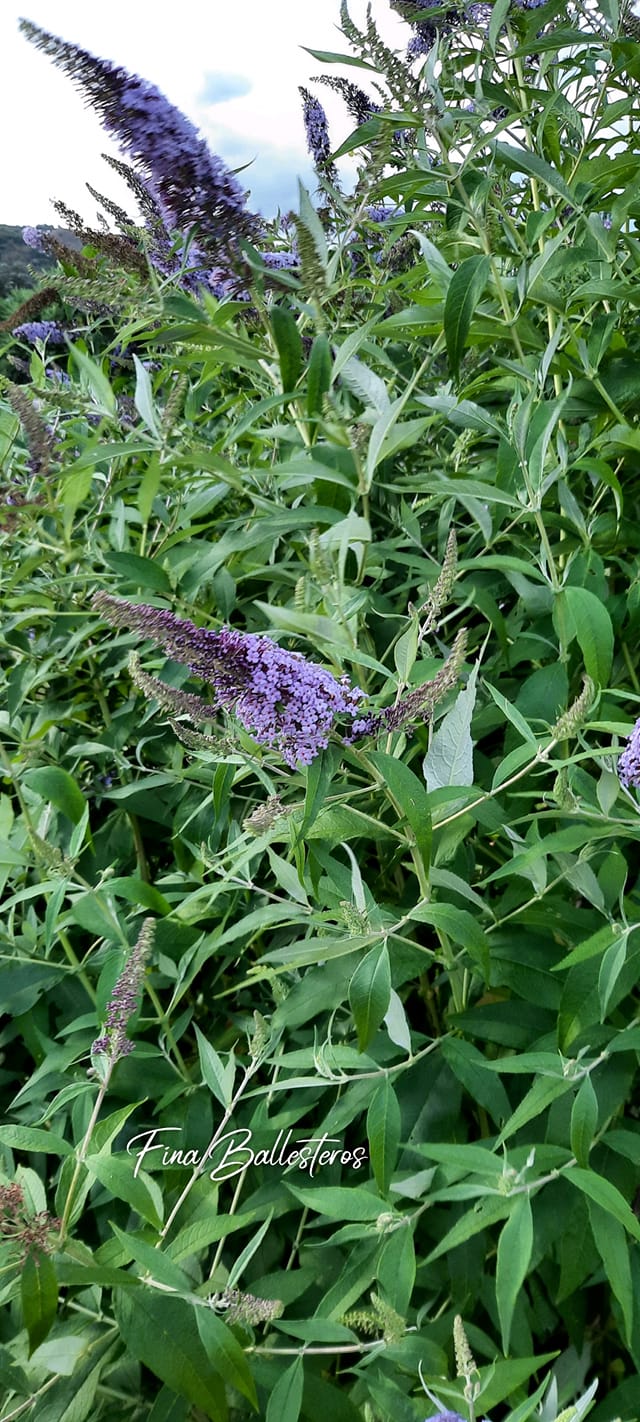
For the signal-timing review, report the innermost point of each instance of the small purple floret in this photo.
(629, 762)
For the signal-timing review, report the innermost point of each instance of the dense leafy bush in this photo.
(395, 434)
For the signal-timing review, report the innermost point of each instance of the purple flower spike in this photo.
(189, 183)
(283, 700)
(317, 131)
(629, 762)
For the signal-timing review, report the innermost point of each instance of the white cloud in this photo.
(218, 88)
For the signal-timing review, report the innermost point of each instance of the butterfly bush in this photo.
(283, 700)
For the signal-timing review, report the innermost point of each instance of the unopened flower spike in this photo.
(442, 588)
(573, 717)
(124, 999)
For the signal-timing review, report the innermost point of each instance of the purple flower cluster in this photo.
(33, 238)
(316, 128)
(190, 184)
(123, 1002)
(33, 331)
(629, 762)
(283, 700)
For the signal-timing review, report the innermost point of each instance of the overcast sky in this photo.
(233, 68)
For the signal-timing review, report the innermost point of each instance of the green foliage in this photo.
(386, 1044)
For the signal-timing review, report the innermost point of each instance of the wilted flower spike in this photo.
(123, 1002)
(171, 698)
(283, 700)
(419, 703)
(629, 762)
(360, 106)
(30, 1233)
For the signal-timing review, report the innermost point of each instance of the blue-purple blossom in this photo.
(280, 261)
(189, 183)
(629, 762)
(445, 1417)
(316, 129)
(283, 700)
(33, 331)
(33, 238)
(124, 999)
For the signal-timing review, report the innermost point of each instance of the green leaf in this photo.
(59, 787)
(94, 380)
(544, 1090)
(143, 398)
(149, 486)
(610, 969)
(318, 376)
(521, 160)
(286, 1399)
(153, 1261)
(310, 220)
(584, 1119)
(161, 1332)
(397, 1269)
(588, 620)
(30, 1138)
(606, 1195)
(612, 1246)
(460, 926)
(439, 271)
(410, 798)
(217, 1077)
(139, 1191)
(465, 289)
(288, 342)
(489, 1210)
(338, 1202)
(383, 1134)
(370, 993)
(39, 1291)
(141, 572)
(225, 1354)
(449, 759)
(514, 1253)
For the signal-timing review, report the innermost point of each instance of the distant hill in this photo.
(21, 266)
